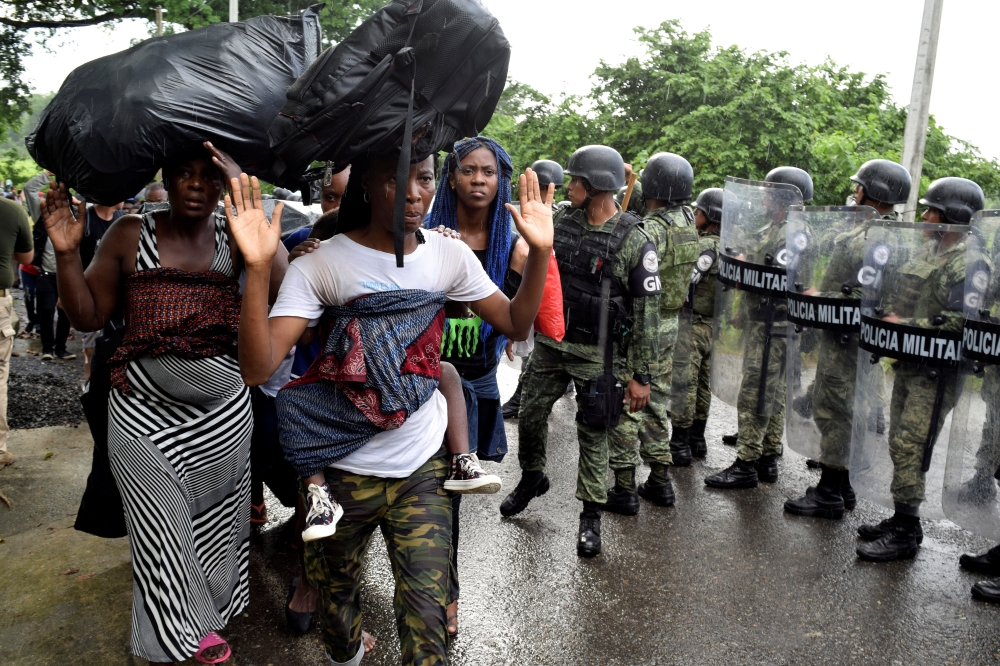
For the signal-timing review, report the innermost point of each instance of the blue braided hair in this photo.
(445, 211)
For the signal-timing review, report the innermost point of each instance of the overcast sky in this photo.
(558, 43)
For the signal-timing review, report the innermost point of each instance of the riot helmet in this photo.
(958, 199)
(548, 172)
(602, 167)
(667, 177)
(792, 176)
(884, 181)
(710, 203)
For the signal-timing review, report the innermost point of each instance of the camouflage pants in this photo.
(699, 394)
(548, 372)
(414, 515)
(650, 426)
(988, 453)
(760, 434)
(833, 400)
(910, 413)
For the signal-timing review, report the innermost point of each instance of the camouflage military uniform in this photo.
(760, 435)
(553, 364)
(836, 370)
(414, 515)
(677, 246)
(928, 280)
(699, 395)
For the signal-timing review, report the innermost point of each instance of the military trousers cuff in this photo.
(353, 662)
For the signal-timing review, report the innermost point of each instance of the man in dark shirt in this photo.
(15, 248)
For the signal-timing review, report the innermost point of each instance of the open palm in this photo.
(534, 220)
(64, 225)
(256, 238)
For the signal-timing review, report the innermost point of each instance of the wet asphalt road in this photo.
(723, 577)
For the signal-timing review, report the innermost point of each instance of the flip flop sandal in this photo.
(451, 635)
(212, 640)
(258, 514)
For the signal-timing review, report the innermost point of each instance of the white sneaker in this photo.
(324, 512)
(467, 476)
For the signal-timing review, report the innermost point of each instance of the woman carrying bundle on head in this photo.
(179, 417)
(472, 199)
(368, 416)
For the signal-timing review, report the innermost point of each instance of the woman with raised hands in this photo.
(385, 468)
(179, 417)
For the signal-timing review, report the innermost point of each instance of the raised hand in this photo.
(256, 238)
(534, 220)
(230, 169)
(64, 227)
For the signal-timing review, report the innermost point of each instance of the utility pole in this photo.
(234, 12)
(915, 136)
(159, 21)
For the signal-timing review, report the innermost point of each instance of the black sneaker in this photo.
(467, 476)
(323, 514)
(65, 356)
(622, 501)
(988, 563)
(767, 469)
(741, 474)
(875, 531)
(899, 542)
(531, 485)
(589, 542)
(661, 495)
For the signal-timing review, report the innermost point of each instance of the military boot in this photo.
(680, 451)
(657, 488)
(623, 499)
(847, 492)
(510, 408)
(812, 463)
(822, 501)
(874, 531)
(730, 440)
(898, 542)
(988, 563)
(767, 469)
(531, 485)
(589, 542)
(980, 489)
(741, 474)
(696, 439)
(987, 590)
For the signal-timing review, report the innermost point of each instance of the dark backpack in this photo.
(437, 65)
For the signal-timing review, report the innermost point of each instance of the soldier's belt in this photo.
(981, 341)
(823, 312)
(910, 343)
(755, 278)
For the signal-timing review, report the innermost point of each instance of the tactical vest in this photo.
(678, 259)
(703, 288)
(586, 258)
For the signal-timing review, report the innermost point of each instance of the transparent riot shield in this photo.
(907, 368)
(825, 255)
(970, 486)
(749, 335)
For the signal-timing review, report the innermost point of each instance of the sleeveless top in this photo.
(190, 314)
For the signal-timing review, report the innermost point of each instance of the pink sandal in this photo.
(213, 639)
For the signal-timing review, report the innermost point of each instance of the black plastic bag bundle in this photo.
(115, 119)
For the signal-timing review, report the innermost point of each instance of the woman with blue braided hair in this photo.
(471, 197)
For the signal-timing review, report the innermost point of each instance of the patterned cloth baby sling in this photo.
(381, 361)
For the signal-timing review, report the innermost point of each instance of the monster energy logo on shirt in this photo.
(755, 278)
(910, 343)
(821, 312)
(981, 341)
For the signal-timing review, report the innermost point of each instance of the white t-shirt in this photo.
(340, 270)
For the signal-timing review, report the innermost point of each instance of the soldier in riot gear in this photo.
(666, 183)
(754, 248)
(547, 172)
(922, 303)
(691, 397)
(610, 282)
(838, 290)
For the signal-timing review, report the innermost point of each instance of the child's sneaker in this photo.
(324, 512)
(468, 477)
